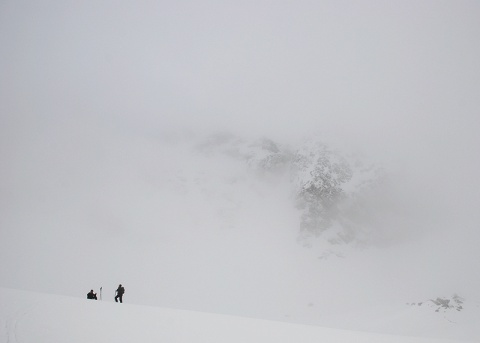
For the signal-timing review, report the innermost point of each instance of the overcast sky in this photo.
(398, 79)
(381, 69)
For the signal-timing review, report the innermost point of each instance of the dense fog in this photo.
(104, 105)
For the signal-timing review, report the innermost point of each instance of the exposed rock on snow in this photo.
(455, 302)
(327, 187)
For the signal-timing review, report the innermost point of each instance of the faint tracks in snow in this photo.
(11, 324)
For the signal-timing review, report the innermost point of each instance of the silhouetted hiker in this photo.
(120, 290)
(92, 295)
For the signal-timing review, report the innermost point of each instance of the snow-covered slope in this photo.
(38, 318)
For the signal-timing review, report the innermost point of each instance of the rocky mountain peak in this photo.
(327, 187)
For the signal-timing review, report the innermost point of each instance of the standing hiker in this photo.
(120, 290)
(92, 295)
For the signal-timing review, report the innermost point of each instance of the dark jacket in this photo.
(91, 295)
(120, 290)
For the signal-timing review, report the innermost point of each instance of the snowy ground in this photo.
(33, 317)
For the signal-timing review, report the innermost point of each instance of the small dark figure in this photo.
(92, 295)
(120, 290)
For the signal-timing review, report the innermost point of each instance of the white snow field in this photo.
(40, 318)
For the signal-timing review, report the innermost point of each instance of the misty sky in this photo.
(398, 79)
(376, 69)
(81, 80)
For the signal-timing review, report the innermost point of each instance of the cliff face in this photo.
(329, 190)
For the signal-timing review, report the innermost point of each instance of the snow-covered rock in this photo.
(327, 187)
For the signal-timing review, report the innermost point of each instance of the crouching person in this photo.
(92, 295)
